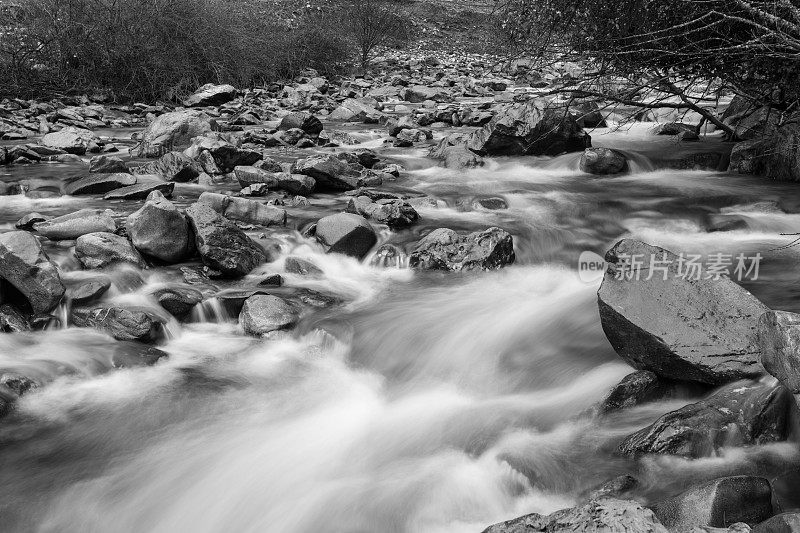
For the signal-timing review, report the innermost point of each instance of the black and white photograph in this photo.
(399, 266)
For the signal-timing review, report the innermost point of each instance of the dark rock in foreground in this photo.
(25, 266)
(720, 503)
(222, 245)
(741, 413)
(700, 330)
(444, 249)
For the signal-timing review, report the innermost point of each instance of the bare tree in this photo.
(374, 24)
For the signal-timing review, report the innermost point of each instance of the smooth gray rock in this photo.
(262, 313)
(75, 224)
(101, 249)
(697, 330)
(346, 233)
(244, 210)
(71, 140)
(304, 121)
(25, 266)
(741, 413)
(445, 249)
(174, 131)
(159, 230)
(210, 94)
(719, 503)
(222, 245)
(99, 183)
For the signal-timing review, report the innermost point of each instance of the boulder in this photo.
(159, 230)
(394, 213)
(141, 190)
(174, 131)
(607, 515)
(244, 210)
(12, 321)
(178, 300)
(346, 233)
(101, 249)
(121, 323)
(27, 268)
(225, 151)
(210, 94)
(774, 156)
(329, 172)
(304, 121)
(636, 388)
(779, 339)
(71, 140)
(73, 225)
(291, 183)
(107, 164)
(672, 324)
(603, 161)
(27, 221)
(782, 523)
(529, 128)
(719, 503)
(223, 246)
(673, 128)
(741, 413)
(444, 249)
(420, 93)
(354, 110)
(172, 166)
(99, 183)
(263, 313)
(87, 290)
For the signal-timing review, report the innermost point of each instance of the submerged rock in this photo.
(603, 161)
(263, 313)
(741, 413)
(99, 183)
(101, 249)
(697, 330)
(159, 230)
(121, 323)
(222, 245)
(719, 503)
(603, 515)
(346, 233)
(444, 249)
(26, 267)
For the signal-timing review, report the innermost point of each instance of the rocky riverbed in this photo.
(426, 300)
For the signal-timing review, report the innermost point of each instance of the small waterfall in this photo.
(210, 310)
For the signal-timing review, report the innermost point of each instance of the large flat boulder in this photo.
(99, 250)
(99, 183)
(73, 225)
(529, 128)
(609, 515)
(244, 210)
(329, 172)
(210, 94)
(718, 503)
(222, 245)
(741, 413)
(71, 140)
(174, 131)
(445, 249)
(679, 327)
(26, 267)
(159, 230)
(121, 323)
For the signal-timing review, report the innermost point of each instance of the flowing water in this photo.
(425, 402)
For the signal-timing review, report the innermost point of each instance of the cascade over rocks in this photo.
(444, 249)
(740, 413)
(26, 267)
(159, 230)
(698, 330)
(529, 128)
(222, 245)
